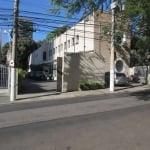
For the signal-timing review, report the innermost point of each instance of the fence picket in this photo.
(3, 76)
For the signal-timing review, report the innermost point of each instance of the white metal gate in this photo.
(4, 77)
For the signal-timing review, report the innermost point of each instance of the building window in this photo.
(61, 47)
(53, 50)
(56, 50)
(68, 43)
(50, 53)
(65, 45)
(44, 56)
(77, 39)
(73, 41)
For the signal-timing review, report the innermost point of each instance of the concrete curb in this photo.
(57, 95)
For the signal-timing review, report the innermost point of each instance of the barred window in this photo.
(44, 56)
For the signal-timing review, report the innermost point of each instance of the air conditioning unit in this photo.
(119, 65)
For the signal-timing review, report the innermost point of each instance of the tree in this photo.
(25, 46)
(76, 6)
(56, 32)
(5, 49)
(25, 28)
(138, 12)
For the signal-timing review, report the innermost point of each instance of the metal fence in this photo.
(4, 74)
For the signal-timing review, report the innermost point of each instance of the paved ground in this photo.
(51, 94)
(70, 104)
(89, 120)
(125, 129)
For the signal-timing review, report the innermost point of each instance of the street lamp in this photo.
(9, 57)
(0, 43)
(10, 50)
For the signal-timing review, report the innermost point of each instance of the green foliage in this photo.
(138, 12)
(24, 47)
(56, 32)
(5, 49)
(118, 37)
(76, 6)
(21, 77)
(25, 28)
(85, 85)
(21, 74)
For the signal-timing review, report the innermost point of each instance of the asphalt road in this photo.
(123, 129)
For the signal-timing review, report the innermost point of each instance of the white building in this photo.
(87, 35)
(76, 39)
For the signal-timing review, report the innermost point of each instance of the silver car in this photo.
(121, 79)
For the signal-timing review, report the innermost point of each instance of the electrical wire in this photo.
(41, 27)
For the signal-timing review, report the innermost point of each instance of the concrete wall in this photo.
(102, 30)
(81, 67)
(59, 74)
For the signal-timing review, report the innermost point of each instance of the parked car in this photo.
(30, 75)
(119, 79)
(40, 75)
(133, 78)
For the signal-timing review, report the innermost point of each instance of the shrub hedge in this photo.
(86, 85)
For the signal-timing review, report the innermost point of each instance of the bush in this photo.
(21, 76)
(85, 85)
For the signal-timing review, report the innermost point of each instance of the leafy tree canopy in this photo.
(57, 32)
(24, 47)
(5, 49)
(75, 6)
(138, 12)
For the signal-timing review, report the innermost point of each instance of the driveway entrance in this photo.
(31, 86)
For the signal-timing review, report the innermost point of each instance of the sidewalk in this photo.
(4, 97)
(36, 97)
(58, 95)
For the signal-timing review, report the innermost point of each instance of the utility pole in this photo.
(0, 42)
(112, 67)
(14, 47)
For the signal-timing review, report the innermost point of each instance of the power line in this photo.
(42, 23)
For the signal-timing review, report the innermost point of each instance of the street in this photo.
(115, 129)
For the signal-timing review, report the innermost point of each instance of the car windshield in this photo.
(39, 72)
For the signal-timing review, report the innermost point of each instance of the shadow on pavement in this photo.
(29, 86)
(119, 88)
(142, 95)
(37, 96)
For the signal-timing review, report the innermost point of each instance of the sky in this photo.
(38, 12)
